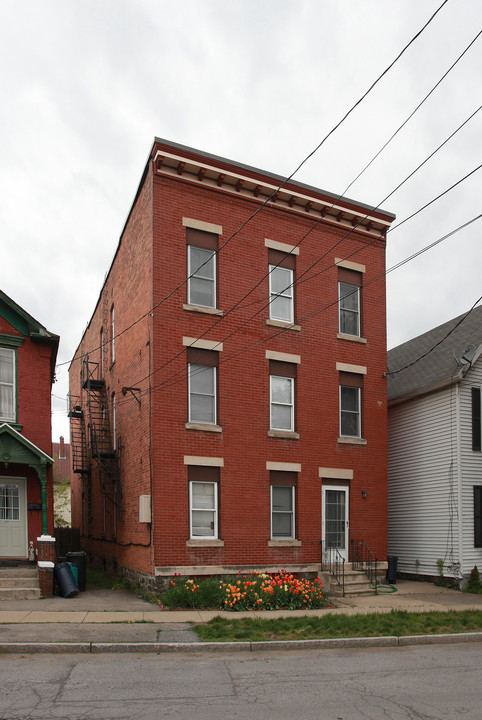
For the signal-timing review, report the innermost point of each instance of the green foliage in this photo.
(474, 585)
(200, 594)
(440, 567)
(395, 623)
(256, 591)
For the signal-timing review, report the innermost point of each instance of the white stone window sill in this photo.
(284, 543)
(352, 441)
(282, 324)
(204, 543)
(352, 338)
(203, 426)
(202, 309)
(285, 434)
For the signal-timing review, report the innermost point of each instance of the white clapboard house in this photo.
(435, 450)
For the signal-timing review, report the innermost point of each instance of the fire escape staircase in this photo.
(91, 438)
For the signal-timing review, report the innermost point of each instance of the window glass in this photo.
(349, 308)
(203, 509)
(282, 516)
(350, 411)
(281, 294)
(202, 274)
(7, 384)
(202, 393)
(282, 407)
(9, 502)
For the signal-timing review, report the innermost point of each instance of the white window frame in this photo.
(291, 512)
(114, 424)
(291, 404)
(352, 412)
(112, 328)
(355, 291)
(191, 275)
(213, 395)
(12, 385)
(287, 293)
(213, 510)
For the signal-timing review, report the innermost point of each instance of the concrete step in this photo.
(19, 583)
(32, 593)
(22, 571)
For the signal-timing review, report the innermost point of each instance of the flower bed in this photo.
(255, 591)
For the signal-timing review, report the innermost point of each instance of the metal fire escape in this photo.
(93, 451)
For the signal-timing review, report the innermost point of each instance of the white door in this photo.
(13, 518)
(335, 519)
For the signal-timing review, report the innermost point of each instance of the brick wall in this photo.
(151, 356)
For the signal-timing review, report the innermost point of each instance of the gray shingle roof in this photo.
(440, 365)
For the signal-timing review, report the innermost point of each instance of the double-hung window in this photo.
(476, 419)
(8, 401)
(202, 382)
(201, 268)
(349, 302)
(350, 404)
(203, 503)
(281, 286)
(282, 378)
(282, 502)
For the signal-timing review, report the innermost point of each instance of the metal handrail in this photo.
(364, 559)
(335, 564)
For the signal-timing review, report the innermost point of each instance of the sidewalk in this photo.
(117, 620)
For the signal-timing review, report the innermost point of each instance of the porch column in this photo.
(42, 473)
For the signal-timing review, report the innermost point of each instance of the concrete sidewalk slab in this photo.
(40, 616)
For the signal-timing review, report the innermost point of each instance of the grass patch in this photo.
(99, 579)
(397, 623)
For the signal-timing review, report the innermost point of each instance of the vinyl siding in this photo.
(471, 466)
(422, 483)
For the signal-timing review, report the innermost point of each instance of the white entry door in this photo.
(13, 518)
(335, 519)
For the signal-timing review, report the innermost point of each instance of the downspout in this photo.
(459, 477)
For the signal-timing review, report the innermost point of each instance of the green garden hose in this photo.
(385, 589)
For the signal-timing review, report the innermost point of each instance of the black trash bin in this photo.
(79, 559)
(65, 580)
(392, 569)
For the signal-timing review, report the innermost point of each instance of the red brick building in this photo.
(227, 409)
(28, 353)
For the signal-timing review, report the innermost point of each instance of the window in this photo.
(114, 424)
(202, 381)
(350, 404)
(101, 353)
(281, 291)
(112, 335)
(478, 516)
(203, 502)
(7, 384)
(201, 268)
(282, 511)
(282, 403)
(476, 423)
(349, 283)
(282, 395)
(280, 294)
(9, 502)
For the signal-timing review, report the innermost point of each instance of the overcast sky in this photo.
(86, 85)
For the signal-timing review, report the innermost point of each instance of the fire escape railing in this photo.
(364, 559)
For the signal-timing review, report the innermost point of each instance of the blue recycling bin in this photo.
(79, 560)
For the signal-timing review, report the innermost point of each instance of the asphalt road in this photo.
(430, 682)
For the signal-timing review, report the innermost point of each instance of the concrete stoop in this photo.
(19, 583)
(356, 583)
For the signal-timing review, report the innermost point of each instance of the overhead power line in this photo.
(283, 183)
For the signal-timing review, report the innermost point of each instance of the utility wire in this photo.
(172, 381)
(304, 277)
(283, 183)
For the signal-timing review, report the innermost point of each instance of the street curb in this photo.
(262, 646)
